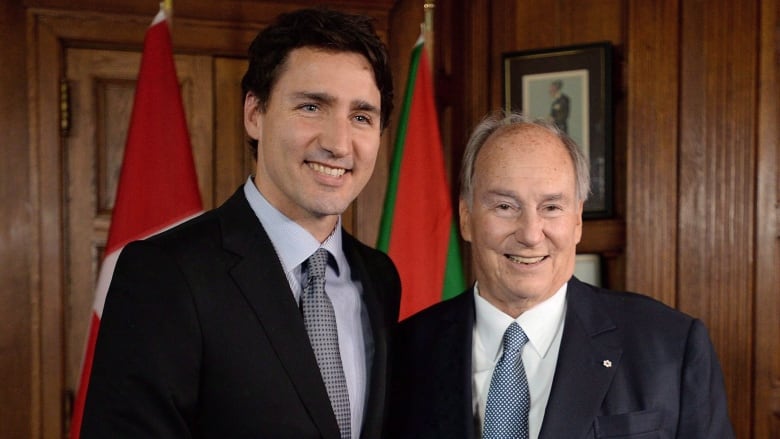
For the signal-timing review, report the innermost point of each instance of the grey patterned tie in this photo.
(320, 321)
(508, 401)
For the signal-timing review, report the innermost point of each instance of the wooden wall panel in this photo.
(766, 415)
(588, 21)
(16, 318)
(652, 52)
(235, 11)
(47, 269)
(471, 66)
(717, 161)
(233, 161)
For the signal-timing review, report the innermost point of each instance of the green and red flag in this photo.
(418, 227)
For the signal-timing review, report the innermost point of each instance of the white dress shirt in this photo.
(293, 244)
(543, 324)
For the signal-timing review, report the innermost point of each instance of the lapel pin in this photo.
(607, 363)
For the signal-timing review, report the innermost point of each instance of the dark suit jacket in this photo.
(201, 337)
(664, 381)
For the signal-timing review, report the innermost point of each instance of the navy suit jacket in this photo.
(201, 337)
(663, 380)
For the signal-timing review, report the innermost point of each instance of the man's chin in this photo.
(326, 209)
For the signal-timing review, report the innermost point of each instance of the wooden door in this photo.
(101, 86)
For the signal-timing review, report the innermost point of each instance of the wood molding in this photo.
(237, 11)
(17, 347)
(766, 416)
(46, 175)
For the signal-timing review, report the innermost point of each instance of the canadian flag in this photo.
(158, 186)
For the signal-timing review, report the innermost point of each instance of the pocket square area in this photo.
(628, 425)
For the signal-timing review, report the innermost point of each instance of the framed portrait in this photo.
(570, 86)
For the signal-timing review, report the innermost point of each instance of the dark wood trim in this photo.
(236, 11)
(17, 347)
(766, 415)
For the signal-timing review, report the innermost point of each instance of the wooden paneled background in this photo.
(696, 162)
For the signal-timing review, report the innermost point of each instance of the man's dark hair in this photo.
(318, 28)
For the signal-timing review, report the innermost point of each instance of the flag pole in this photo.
(167, 7)
(429, 7)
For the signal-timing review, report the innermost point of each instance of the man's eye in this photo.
(309, 107)
(363, 119)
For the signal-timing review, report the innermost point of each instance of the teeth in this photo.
(522, 260)
(333, 172)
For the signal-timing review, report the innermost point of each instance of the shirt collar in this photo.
(292, 243)
(539, 323)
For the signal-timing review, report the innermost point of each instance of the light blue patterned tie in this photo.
(320, 321)
(508, 401)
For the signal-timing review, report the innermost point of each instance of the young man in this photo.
(221, 327)
(529, 350)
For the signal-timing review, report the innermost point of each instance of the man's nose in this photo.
(336, 137)
(529, 229)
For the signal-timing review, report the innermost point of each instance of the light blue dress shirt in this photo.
(294, 244)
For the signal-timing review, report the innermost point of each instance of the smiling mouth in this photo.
(527, 261)
(327, 170)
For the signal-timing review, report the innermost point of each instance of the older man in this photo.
(529, 350)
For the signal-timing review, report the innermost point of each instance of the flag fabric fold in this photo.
(158, 186)
(417, 228)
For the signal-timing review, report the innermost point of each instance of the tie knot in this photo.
(514, 338)
(317, 263)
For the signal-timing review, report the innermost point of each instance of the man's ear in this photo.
(578, 229)
(252, 116)
(465, 220)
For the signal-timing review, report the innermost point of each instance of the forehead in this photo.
(339, 75)
(308, 60)
(523, 150)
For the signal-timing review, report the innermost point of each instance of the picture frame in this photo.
(570, 86)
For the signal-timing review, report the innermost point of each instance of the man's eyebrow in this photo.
(508, 193)
(500, 193)
(314, 96)
(554, 197)
(365, 106)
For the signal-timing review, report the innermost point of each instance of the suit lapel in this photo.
(374, 411)
(587, 361)
(260, 277)
(453, 390)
